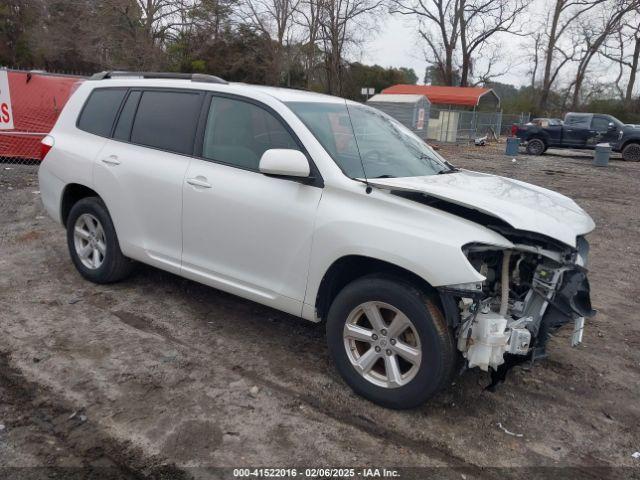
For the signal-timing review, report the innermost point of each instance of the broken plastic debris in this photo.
(513, 160)
(635, 454)
(519, 435)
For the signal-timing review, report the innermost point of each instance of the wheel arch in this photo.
(629, 142)
(348, 268)
(540, 136)
(71, 194)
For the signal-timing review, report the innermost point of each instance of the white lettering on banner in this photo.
(6, 113)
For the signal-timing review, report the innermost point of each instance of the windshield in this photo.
(359, 137)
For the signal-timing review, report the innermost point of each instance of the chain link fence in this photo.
(37, 98)
(465, 126)
(19, 159)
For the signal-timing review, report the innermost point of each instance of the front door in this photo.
(245, 232)
(605, 130)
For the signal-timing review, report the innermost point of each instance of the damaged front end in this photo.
(529, 291)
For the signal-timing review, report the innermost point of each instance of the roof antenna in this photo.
(369, 189)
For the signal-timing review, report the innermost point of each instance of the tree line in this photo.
(294, 43)
(559, 41)
(308, 43)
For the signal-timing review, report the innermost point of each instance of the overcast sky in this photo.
(397, 44)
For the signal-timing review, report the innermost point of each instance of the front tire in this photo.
(536, 146)
(390, 342)
(93, 243)
(631, 152)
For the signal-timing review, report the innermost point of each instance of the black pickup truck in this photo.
(581, 130)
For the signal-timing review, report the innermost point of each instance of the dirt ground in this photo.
(161, 377)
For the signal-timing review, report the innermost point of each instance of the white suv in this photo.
(325, 209)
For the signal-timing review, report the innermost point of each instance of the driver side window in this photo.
(238, 133)
(600, 124)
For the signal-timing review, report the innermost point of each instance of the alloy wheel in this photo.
(382, 344)
(89, 241)
(632, 153)
(535, 147)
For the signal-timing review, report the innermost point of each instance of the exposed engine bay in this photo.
(531, 288)
(529, 291)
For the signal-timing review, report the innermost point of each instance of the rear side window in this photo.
(578, 121)
(100, 111)
(167, 120)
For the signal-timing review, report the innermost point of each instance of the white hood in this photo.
(521, 205)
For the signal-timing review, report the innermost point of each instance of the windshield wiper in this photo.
(451, 170)
(385, 176)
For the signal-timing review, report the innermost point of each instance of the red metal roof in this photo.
(468, 96)
(36, 101)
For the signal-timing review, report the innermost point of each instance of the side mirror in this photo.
(284, 163)
(612, 126)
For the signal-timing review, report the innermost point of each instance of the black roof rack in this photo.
(194, 77)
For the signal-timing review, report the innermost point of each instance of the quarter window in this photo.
(100, 110)
(123, 127)
(238, 133)
(167, 120)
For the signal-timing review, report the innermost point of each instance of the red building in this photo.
(455, 97)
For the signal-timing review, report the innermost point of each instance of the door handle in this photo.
(111, 160)
(199, 182)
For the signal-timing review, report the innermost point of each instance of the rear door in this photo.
(140, 172)
(577, 130)
(244, 232)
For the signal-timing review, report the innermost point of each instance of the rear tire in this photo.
(413, 379)
(536, 146)
(631, 152)
(93, 243)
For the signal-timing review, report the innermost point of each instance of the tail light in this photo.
(514, 130)
(45, 145)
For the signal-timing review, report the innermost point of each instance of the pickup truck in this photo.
(581, 131)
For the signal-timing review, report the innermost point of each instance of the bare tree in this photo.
(593, 32)
(458, 33)
(617, 51)
(564, 14)
(439, 27)
(535, 59)
(479, 21)
(309, 18)
(634, 64)
(490, 72)
(274, 20)
(160, 16)
(338, 22)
